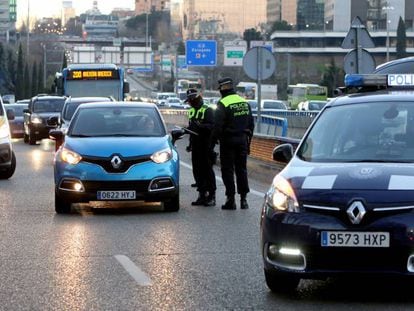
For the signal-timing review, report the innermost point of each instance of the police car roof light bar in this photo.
(361, 80)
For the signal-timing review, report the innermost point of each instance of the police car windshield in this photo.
(362, 132)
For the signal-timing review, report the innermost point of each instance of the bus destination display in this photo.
(92, 74)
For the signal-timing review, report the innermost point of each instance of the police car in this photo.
(344, 203)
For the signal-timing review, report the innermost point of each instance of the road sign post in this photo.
(358, 60)
(259, 64)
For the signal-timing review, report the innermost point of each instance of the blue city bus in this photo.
(80, 80)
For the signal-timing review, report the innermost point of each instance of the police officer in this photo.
(201, 122)
(233, 129)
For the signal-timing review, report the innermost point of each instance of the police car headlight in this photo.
(162, 156)
(70, 156)
(281, 196)
(35, 119)
(4, 130)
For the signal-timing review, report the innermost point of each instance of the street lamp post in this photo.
(386, 9)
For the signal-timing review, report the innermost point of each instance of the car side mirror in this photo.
(26, 110)
(56, 135)
(283, 153)
(53, 121)
(177, 134)
(10, 114)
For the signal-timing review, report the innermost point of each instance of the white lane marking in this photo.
(137, 274)
(252, 191)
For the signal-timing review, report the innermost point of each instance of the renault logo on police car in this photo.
(116, 162)
(356, 212)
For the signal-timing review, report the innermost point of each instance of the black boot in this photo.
(194, 185)
(211, 199)
(201, 200)
(243, 202)
(230, 204)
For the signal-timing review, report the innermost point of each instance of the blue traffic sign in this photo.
(201, 52)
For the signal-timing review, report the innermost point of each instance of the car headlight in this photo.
(70, 156)
(162, 156)
(4, 130)
(35, 119)
(281, 196)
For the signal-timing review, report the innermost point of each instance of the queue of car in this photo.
(342, 205)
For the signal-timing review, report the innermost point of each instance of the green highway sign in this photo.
(235, 54)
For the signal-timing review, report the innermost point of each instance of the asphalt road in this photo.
(136, 257)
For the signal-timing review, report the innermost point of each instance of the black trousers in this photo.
(233, 159)
(203, 167)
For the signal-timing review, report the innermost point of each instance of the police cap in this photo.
(225, 83)
(191, 94)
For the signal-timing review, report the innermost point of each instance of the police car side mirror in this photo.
(283, 153)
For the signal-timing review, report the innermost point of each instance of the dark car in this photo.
(7, 156)
(16, 125)
(344, 203)
(36, 117)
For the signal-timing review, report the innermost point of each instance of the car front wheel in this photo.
(7, 173)
(281, 282)
(25, 138)
(172, 205)
(62, 206)
(32, 138)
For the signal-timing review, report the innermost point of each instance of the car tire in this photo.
(6, 174)
(25, 138)
(62, 206)
(172, 205)
(281, 282)
(32, 139)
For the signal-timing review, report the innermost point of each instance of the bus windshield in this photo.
(82, 88)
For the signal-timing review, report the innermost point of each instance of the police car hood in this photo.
(338, 183)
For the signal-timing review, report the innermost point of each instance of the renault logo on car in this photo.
(356, 212)
(116, 162)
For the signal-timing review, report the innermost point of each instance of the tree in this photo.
(280, 25)
(331, 77)
(251, 34)
(19, 93)
(34, 90)
(401, 47)
(40, 86)
(27, 88)
(11, 66)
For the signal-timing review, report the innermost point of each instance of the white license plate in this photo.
(355, 239)
(116, 195)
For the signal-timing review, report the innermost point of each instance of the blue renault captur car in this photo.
(344, 203)
(116, 152)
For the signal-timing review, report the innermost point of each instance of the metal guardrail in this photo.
(281, 123)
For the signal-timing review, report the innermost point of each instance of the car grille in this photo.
(351, 259)
(139, 186)
(370, 217)
(105, 162)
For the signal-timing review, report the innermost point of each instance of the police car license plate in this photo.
(116, 195)
(355, 239)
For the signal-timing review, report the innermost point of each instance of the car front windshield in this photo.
(362, 132)
(48, 105)
(116, 121)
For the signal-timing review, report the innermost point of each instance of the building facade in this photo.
(209, 18)
(273, 11)
(145, 6)
(7, 20)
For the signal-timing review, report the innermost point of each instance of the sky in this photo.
(50, 8)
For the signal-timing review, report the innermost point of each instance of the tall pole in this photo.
(146, 39)
(28, 29)
(388, 36)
